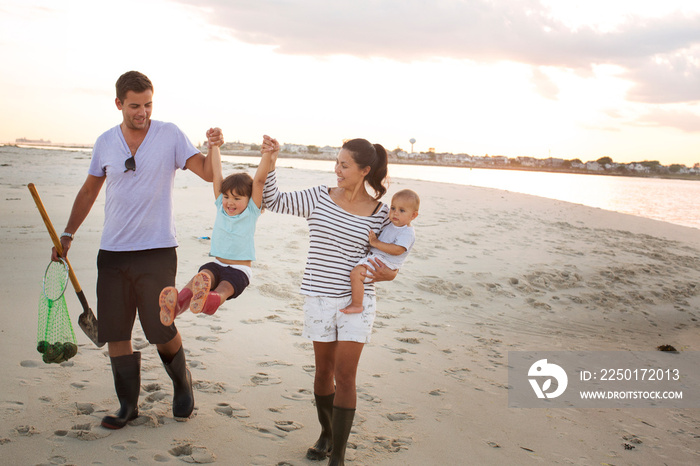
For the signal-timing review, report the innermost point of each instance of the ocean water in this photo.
(673, 201)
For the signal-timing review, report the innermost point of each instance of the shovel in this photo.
(87, 320)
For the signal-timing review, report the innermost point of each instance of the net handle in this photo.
(65, 280)
(52, 233)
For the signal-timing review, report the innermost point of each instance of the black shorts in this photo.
(127, 281)
(236, 277)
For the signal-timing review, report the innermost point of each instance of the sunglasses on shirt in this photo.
(130, 164)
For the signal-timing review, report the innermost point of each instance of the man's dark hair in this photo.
(132, 81)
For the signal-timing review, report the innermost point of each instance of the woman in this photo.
(340, 220)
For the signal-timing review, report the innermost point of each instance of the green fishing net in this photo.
(55, 337)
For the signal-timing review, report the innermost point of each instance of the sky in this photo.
(536, 78)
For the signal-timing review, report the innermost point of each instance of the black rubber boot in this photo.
(342, 424)
(322, 447)
(127, 381)
(183, 398)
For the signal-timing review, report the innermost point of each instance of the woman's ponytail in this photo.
(377, 176)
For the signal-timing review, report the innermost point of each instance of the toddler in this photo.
(238, 203)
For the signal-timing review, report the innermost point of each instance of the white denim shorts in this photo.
(324, 322)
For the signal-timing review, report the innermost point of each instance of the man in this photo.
(138, 160)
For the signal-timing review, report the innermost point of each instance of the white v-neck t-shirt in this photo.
(139, 204)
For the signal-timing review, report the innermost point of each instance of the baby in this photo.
(392, 247)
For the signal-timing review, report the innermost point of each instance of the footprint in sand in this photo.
(554, 280)
(27, 431)
(272, 434)
(12, 407)
(308, 346)
(288, 426)
(58, 460)
(192, 453)
(398, 350)
(274, 363)
(161, 458)
(538, 304)
(368, 397)
(393, 444)
(252, 321)
(457, 372)
(445, 288)
(84, 408)
(302, 394)
(126, 445)
(152, 387)
(412, 341)
(633, 439)
(405, 329)
(209, 387)
(197, 365)
(208, 338)
(81, 384)
(497, 289)
(156, 396)
(154, 418)
(29, 363)
(83, 432)
(278, 291)
(402, 416)
(262, 378)
(232, 410)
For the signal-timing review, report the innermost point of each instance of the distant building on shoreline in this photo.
(31, 141)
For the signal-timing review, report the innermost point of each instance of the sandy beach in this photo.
(491, 272)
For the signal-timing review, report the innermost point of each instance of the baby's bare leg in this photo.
(357, 283)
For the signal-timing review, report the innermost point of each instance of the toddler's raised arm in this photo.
(214, 158)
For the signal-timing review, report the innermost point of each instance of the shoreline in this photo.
(289, 155)
(397, 161)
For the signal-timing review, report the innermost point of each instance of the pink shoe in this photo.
(168, 302)
(200, 291)
(212, 304)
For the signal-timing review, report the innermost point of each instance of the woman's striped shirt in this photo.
(338, 239)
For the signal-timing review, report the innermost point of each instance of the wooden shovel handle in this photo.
(52, 233)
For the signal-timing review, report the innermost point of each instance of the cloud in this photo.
(523, 31)
(668, 78)
(683, 120)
